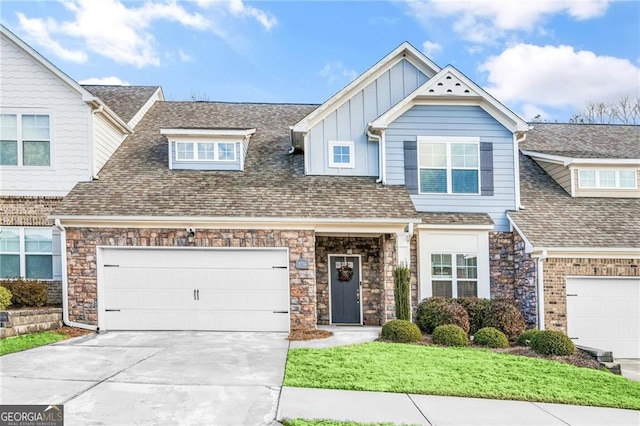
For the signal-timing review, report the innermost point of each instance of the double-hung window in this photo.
(607, 179)
(205, 151)
(25, 140)
(449, 165)
(26, 252)
(454, 275)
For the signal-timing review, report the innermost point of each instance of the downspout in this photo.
(540, 288)
(65, 284)
(379, 139)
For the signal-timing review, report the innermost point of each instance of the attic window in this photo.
(607, 179)
(205, 151)
(341, 154)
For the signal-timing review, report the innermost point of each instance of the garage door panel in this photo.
(605, 313)
(153, 289)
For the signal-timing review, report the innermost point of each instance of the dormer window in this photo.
(341, 154)
(607, 179)
(207, 149)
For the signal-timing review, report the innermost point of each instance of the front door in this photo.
(344, 273)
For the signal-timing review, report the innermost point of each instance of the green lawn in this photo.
(28, 341)
(302, 422)
(470, 372)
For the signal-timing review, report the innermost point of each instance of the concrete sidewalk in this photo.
(398, 408)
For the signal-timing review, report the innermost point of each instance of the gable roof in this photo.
(602, 141)
(404, 51)
(552, 219)
(125, 101)
(137, 182)
(451, 85)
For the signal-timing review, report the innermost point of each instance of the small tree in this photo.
(401, 284)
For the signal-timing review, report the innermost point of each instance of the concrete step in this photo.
(613, 367)
(598, 354)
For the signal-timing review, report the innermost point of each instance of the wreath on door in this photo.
(345, 272)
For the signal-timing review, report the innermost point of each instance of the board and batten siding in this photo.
(107, 138)
(206, 165)
(349, 122)
(559, 173)
(459, 121)
(27, 87)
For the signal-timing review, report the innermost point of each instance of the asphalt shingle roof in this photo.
(584, 140)
(137, 181)
(553, 219)
(456, 218)
(125, 101)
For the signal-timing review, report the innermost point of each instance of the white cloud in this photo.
(108, 81)
(335, 70)
(184, 57)
(240, 9)
(39, 30)
(483, 21)
(430, 48)
(533, 112)
(558, 77)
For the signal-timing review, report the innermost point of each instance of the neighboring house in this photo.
(578, 233)
(53, 134)
(231, 216)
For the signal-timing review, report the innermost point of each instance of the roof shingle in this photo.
(125, 101)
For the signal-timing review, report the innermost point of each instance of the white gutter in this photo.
(380, 163)
(183, 219)
(65, 284)
(384, 156)
(540, 288)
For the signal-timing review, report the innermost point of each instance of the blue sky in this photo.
(547, 57)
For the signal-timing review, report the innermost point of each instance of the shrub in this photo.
(524, 339)
(401, 331)
(549, 342)
(25, 292)
(475, 308)
(401, 284)
(491, 338)
(450, 335)
(436, 311)
(505, 316)
(5, 298)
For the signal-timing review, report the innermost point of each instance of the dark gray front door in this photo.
(345, 289)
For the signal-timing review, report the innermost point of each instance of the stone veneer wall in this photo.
(501, 265)
(557, 269)
(525, 282)
(82, 266)
(370, 253)
(32, 211)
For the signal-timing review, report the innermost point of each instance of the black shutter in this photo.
(486, 168)
(411, 166)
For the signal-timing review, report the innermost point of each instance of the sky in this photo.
(546, 58)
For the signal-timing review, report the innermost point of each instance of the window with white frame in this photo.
(454, 275)
(25, 140)
(449, 165)
(26, 252)
(205, 151)
(607, 179)
(341, 154)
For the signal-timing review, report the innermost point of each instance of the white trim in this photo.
(479, 227)
(359, 284)
(516, 167)
(572, 180)
(597, 176)
(405, 51)
(421, 96)
(352, 157)
(22, 252)
(194, 147)
(19, 113)
(208, 132)
(565, 161)
(448, 141)
(234, 219)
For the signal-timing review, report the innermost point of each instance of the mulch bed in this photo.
(70, 332)
(309, 334)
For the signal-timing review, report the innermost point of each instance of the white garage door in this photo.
(604, 313)
(194, 289)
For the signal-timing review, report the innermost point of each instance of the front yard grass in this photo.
(303, 422)
(468, 372)
(28, 341)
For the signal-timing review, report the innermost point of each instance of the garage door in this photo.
(604, 313)
(194, 289)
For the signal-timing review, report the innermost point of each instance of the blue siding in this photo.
(349, 121)
(206, 165)
(471, 121)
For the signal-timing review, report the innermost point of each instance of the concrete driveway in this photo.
(154, 378)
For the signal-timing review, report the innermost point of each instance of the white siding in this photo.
(28, 87)
(559, 173)
(157, 96)
(107, 139)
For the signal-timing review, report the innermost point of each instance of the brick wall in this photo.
(27, 211)
(82, 267)
(557, 269)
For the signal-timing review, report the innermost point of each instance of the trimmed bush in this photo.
(401, 282)
(491, 338)
(450, 335)
(475, 308)
(5, 298)
(524, 339)
(26, 293)
(401, 331)
(436, 311)
(549, 342)
(505, 316)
